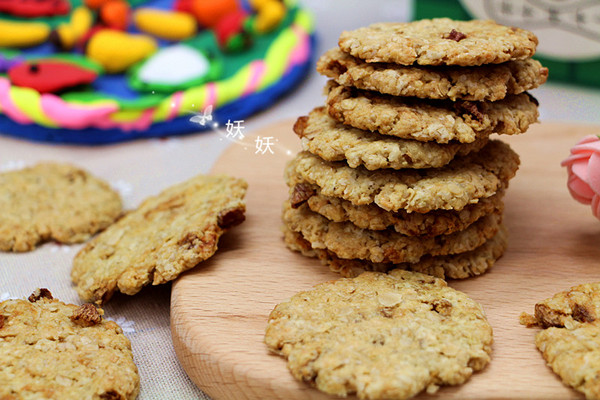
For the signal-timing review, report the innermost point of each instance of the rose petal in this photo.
(593, 171)
(596, 206)
(580, 168)
(572, 158)
(580, 190)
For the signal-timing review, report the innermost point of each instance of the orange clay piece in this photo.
(115, 14)
(209, 12)
(95, 4)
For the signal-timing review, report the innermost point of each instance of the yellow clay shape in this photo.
(116, 51)
(81, 21)
(258, 4)
(22, 34)
(169, 25)
(269, 16)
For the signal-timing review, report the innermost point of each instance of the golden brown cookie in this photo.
(372, 217)
(439, 41)
(485, 83)
(334, 141)
(462, 182)
(381, 336)
(348, 241)
(53, 201)
(53, 350)
(570, 340)
(166, 235)
(430, 120)
(453, 266)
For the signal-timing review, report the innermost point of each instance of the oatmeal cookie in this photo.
(348, 241)
(453, 266)
(333, 141)
(485, 83)
(439, 41)
(381, 336)
(430, 120)
(49, 349)
(570, 340)
(372, 217)
(53, 201)
(166, 235)
(464, 181)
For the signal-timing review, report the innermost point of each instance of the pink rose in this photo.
(583, 166)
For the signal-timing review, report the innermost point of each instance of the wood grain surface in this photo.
(219, 310)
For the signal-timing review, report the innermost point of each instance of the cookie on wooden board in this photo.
(53, 350)
(454, 266)
(485, 83)
(165, 236)
(570, 340)
(439, 41)
(381, 336)
(430, 120)
(372, 217)
(53, 201)
(348, 241)
(333, 141)
(463, 181)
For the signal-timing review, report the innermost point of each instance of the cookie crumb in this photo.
(2, 319)
(86, 315)
(39, 294)
(455, 35)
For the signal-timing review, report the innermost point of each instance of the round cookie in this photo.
(372, 217)
(485, 83)
(462, 182)
(439, 41)
(453, 266)
(381, 336)
(50, 349)
(430, 120)
(348, 241)
(334, 141)
(53, 201)
(166, 235)
(570, 340)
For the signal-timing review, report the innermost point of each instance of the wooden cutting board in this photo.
(219, 310)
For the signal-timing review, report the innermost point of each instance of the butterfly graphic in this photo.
(202, 119)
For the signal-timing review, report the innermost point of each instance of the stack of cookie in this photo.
(398, 170)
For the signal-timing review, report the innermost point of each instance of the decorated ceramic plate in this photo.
(104, 71)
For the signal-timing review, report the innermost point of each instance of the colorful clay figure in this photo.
(51, 76)
(34, 8)
(175, 67)
(112, 70)
(169, 25)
